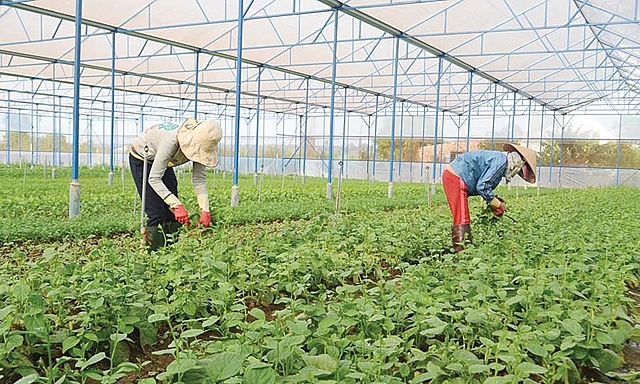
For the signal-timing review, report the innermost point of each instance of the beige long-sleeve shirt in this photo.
(163, 152)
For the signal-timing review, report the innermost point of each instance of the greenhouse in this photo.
(327, 256)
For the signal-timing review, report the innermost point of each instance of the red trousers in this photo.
(456, 191)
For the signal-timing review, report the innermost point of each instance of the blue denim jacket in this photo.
(481, 171)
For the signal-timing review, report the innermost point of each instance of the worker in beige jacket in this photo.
(167, 145)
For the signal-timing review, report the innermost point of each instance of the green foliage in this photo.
(302, 294)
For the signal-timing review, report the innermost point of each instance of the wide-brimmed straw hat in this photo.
(530, 157)
(199, 141)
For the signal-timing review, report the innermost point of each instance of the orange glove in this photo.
(181, 215)
(205, 219)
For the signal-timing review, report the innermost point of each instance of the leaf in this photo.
(210, 321)
(257, 313)
(157, 317)
(191, 333)
(181, 366)
(607, 360)
(92, 360)
(261, 375)
(572, 326)
(69, 343)
(499, 380)
(530, 368)
(465, 356)
(6, 310)
(323, 362)
(28, 379)
(514, 300)
(536, 349)
(224, 365)
(13, 342)
(117, 337)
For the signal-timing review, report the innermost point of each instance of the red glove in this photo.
(499, 211)
(181, 215)
(205, 219)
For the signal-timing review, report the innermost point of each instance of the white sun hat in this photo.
(199, 141)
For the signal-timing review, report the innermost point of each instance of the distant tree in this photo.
(409, 148)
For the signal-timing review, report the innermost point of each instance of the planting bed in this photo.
(288, 290)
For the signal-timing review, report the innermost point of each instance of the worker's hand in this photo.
(500, 210)
(205, 219)
(181, 214)
(498, 206)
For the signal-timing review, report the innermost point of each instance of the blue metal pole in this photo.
(235, 189)
(375, 140)
(306, 126)
(469, 110)
(74, 189)
(493, 119)
(60, 132)
(396, 54)
(541, 133)
(332, 103)
(8, 128)
(553, 134)
(529, 123)
(435, 133)
(344, 128)
(53, 134)
(401, 142)
(618, 160)
(424, 127)
(513, 119)
(255, 164)
(195, 101)
(113, 106)
(561, 150)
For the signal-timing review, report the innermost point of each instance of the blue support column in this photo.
(60, 132)
(306, 126)
(396, 59)
(32, 129)
(424, 127)
(541, 133)
(375, 141)
(8, 128)
(53, 136)
(195, 98)
(74, 189)
(469, 110)
(561, 151)
(401, 142)
(513, 119)
(528, 123)
(619, 157)
(435, 132)
(255, 164)
(113, 106)
(553, 135)
(493, 118)
(332, 103)
(344, 129)
(235, 189)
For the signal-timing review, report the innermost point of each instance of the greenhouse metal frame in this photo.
(295, 75)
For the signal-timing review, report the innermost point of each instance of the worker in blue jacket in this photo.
(479, 173)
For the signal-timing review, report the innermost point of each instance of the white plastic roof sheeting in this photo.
(565, 55)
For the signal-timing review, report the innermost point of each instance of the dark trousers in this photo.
(157, 210)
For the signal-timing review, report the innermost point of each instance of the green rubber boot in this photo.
(154, 238)
(170, 232)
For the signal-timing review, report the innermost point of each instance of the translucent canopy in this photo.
(451, 55)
